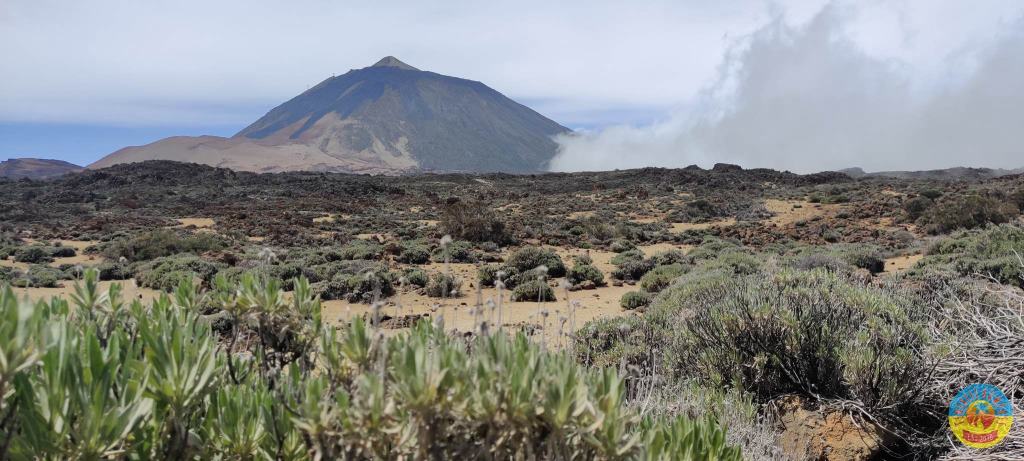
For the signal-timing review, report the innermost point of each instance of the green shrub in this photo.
(966, 213)
(109, 270)
(627, 256)
(416, 277)
(62, 252)
(34, 254)
(581, 273)
(529, 258)
(620, 246)
(810, 332)
(487, 274)
(987, 252)
(444, 286)
(711, 248)
(632, 269)
(181, 395)
(366, 287)
(414, 253)
(533, 290)
(473, 221)
(458, 251)
(734, 262)
(166, 273)
(360, 249)
(827, 262)
(41, 277)
(612, 342)
(661, 277)
(669, 257)
(326, 272)
(160, 243)
(634, 300)
(582, 259)
(916, 207)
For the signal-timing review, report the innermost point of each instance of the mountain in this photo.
(36, 168)
(387, 118)
(956, 173)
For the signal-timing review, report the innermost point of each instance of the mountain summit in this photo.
(391, 61)
(387, 118)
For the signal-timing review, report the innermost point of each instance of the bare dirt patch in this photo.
(79, 258)
(129, 291)
(200, 223)
(901, 263)
(601, 302)
(791, 211)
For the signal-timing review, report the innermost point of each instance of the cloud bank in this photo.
(809, 98)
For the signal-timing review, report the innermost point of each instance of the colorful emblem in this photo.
(980, 415)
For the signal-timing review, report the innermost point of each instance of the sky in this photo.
(799, 85)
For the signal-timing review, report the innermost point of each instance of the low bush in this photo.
(529, 258)
(916, 207)
(627, 256)
(619, 246)
(734, 262)
(967, 212)
(160, 243)
(841, 258)
(328, 271)
(62, 252)
(110, 270)
(634, 300)
(361, 249)
(991, 252)
(632, 269)
(38, 276)
(809, 332)
(582, 273)
(33, 254)
(416, 277)
(661, 277)
(473, 221)
(533, 290)
(457, 251)
(166, 273)
(444, 286)
(414, 253)
(669, 257)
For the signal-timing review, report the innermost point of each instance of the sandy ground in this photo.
(198, 222)
(600, 302)
(129, 291)
(791, 211)
(901, 263)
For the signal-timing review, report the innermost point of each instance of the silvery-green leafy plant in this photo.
(102, 379)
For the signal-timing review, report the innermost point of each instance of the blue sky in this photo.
(790, 84)
(84, 144)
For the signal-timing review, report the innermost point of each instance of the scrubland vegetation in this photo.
(731, 314)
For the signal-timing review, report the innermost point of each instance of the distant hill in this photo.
(36, 168)
(387, 118)
(957, 173)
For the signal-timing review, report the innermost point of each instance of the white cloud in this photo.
(66, 60)
(819, 95)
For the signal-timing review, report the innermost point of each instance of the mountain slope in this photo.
(36, 168)
(386, 118)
